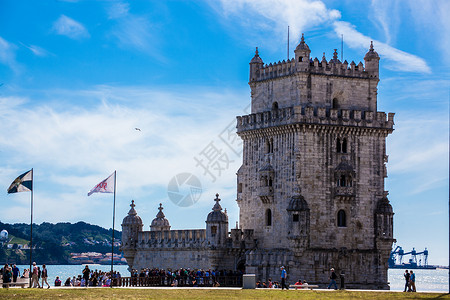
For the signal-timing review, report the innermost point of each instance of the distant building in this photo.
(311, 188)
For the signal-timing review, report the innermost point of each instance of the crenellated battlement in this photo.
(333, 67)
(312, 115)
(191, 238)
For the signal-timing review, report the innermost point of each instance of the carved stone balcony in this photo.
(344, 192)
(265, 193)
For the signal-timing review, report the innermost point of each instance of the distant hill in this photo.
(53, 243)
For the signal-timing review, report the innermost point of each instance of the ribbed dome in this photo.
(302, 45)
(217, 215)
(267, 168)
(344, 166)
(384, 207)
(371, 54)
(160, 222)
(298, 203)
(256, 58)
(132, 218)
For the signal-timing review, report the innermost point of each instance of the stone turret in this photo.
(255, 64)
(372, 60)
(131, 226)
(217, 225)
(302, 53)
(160, 223)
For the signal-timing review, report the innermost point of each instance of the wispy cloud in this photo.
(133, 31)
(8, 55)
(36, 50)
(305, 15)
(70, 28)
(74, 147)
(402, 61)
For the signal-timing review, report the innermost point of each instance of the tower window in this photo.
(239, 187)
(335, 103)
(275, 105)
(341, 145)
(268, 217)
(341, 219)
(295, 218)
(213, 230)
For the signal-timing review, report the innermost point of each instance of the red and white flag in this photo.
(106, 186)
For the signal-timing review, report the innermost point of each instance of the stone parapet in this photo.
(193, 238)
(311, 115)
(289, 67)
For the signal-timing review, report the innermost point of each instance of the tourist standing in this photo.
(34, 276)
(412, 281)
(333, 278)
(86, 273)
(15, 272)
(44, 276)
(407, 286)
(7, 274)
(283, 278)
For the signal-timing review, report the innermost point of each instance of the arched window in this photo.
(268, 217)
(275, 105)
(213, 230)
(335, 103)
(338, 145)
(271, 145)
(344, 145)
(270, 181)
(341, 219)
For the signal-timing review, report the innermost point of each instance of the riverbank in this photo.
(205, 293)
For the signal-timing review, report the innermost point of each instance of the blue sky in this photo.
(77, 78)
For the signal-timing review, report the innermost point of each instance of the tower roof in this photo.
(302, 46)
(256, 58)
(298, 203)
(160, 222)
(371, 54)
(132, 218)
(217, 215)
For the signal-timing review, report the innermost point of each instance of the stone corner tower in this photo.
(311, 186)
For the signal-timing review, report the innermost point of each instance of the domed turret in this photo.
(131, 226)
(132, 218)
(255, 65)
(302, 55)
(372, 61)
(160, 222)
(217, 215)
(217, 225)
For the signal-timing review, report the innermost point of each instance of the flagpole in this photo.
(112, 244)
(31, 228)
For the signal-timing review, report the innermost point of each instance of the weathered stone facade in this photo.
(311, 188)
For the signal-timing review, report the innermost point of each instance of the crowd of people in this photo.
(92, 278)
(185, 277)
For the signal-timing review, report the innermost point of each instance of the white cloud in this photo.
(70, 28)
(401, 61)
(304, 15)
(36, 50)
(385, 14)
(133, 31)
(74, 148)
(8, 55)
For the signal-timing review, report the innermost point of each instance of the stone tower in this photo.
(311, 186)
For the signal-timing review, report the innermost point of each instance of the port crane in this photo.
(398, 253)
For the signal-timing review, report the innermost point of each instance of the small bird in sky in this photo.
(138, 129)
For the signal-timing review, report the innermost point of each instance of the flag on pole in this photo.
(106, 186)
(23, 183)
